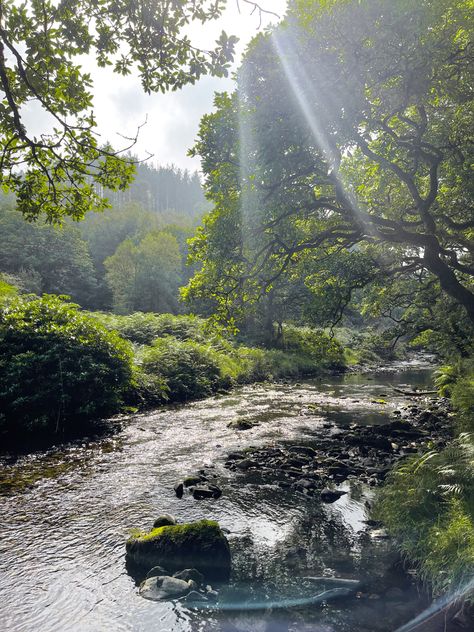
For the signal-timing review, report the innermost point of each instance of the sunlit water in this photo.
(66, 515)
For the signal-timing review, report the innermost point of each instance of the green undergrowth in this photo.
(427, 502)
(63, 369)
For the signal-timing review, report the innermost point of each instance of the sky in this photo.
(172, 118)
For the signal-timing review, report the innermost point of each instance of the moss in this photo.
(201, 545)
(202, 529)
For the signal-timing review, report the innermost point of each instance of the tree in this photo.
(145, 277)
(41, 44)
(44, 258)
(349, 131)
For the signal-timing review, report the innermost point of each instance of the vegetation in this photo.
(58, 367)
(62, 171)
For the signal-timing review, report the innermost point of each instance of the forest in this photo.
(283, 339)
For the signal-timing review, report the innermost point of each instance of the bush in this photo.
(190, 370)
(58, 366)
(141, 328)
(317, 345)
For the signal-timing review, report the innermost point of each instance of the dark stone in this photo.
(244, 464)
(331, 495)
(302, 449)
(179, 489)
(156, 571)
(192, 480)
(163, 521)
(208, 491)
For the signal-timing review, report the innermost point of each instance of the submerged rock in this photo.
(206, 491)
(200, 545)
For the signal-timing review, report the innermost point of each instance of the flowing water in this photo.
(66, 514)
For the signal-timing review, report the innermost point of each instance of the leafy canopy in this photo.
(349, 132)
(61, 171)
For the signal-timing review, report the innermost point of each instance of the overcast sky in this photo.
(173, 118)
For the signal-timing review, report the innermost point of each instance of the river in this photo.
(67, 511)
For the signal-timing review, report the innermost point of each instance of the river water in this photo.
(66, 514)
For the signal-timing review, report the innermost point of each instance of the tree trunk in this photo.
(449, 282)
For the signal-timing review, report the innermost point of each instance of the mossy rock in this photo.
(201, 545)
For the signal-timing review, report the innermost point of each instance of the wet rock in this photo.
(179, 490)
(189, 481)
(241, 424)
(163, 587)
(164, 520)
(235, 456)
(302, 449)
(331, 495)
(190, 574)
(305, 484)
(208, 491)
(200, 545)
(245, 464)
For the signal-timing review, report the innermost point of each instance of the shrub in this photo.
(316, 344)
(58, 366)
(191, 370)
(142, 328)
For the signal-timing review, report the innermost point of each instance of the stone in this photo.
(163, 587)
(156, 571)
(331, 495)
(207, 491)
(200, 545)
(302, 449)
(244, 464)
(179, 490)
(164, 520)
(189, 481)
(190, 574)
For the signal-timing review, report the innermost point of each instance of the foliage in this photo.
(145, 276)
(46, 259)
(428, 503)
(143, 329)
(353, 160)
(316, 344)
(7, 288)
(58, 367)
(191, 370)
(42, 44)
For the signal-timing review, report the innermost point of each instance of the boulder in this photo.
(331, 495)
(189, 481)
(164, 587)
(206, 491)
(179, 490)
(157, 571)
(190, 574)
(164, 520)
(200, 545)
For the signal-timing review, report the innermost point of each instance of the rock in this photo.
(305, 484)
(164, 520)
(190, 574)
(244, 464)
(156, 571)
(200, 545)
(331, 495)
(302, 449)
(179, 489)
(241, 424)
(163, 587)
(212, 595)
(208, 491)
(235, 456)
(189, 481)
